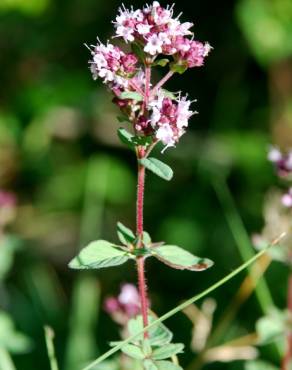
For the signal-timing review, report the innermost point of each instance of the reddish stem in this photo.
(162, 82)
(140, 194)
(139, 231)
(288, 356)
(147, 84)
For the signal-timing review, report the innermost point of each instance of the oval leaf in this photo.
(125, 234)
(126, 137)
(131, 95)
(133, 351)
(167, 351)
(181, 259)
(99, 254)
(159, 168)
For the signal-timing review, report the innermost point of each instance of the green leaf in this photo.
(138, 51)
(131, 95)
(167, 351)
(272, 327)
(126, 235)
(161, 62)
(159, 168)
(129, 139)
(181, 259)
(167, 365)
(169, 94)
(142, 140)
(99, 254)
(149, 365)
(178, 67)
(158, 335)
(133, 351)
(126, 137)
(259, 365)
(146, 239)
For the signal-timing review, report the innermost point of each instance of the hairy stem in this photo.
(139, 231)
(288, 355)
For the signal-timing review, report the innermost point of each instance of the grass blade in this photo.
(49, 335)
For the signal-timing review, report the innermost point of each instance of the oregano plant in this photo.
(154, 38)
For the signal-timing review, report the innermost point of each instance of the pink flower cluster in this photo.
(156, 29)
(125, 306)
(282, 161)
(112, 65)
(169, 118)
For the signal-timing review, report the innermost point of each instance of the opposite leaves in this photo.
(181, 259)
(99, 254)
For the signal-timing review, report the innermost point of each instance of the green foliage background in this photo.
(59, 153)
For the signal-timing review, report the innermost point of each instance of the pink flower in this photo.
(125, 306)
(153, 45)
(282, 161)
(129, 62)
(195, 54)
(287, 199)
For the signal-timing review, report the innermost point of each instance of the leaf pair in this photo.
(156, 349)
(101, 253)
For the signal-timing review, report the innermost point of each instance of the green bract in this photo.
(131, 140)
(131, 95)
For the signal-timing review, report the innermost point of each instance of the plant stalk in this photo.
(162, 82)
(139, 231)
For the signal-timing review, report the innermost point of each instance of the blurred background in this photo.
(72, 180)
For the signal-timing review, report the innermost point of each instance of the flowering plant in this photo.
(156, 38)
